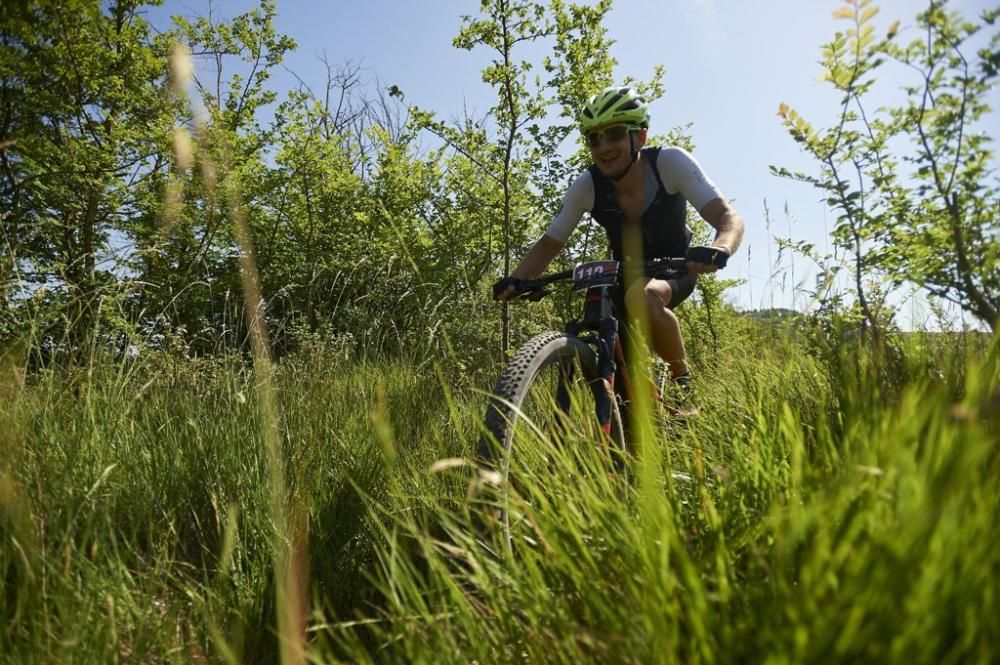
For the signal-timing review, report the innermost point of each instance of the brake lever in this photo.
(538, 294)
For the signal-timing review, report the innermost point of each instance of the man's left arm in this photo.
(728, 225)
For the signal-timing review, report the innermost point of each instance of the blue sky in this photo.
(729, 63)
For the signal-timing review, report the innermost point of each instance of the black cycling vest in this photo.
(665, 232)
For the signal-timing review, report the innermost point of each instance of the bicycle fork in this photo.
(598, 317)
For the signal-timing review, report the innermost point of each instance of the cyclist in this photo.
(630, 187)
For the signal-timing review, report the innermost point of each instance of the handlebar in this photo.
(534, 289)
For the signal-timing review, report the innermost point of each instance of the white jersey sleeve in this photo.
(579, 199)
(681, 172)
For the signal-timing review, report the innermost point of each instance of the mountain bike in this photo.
(558, 380)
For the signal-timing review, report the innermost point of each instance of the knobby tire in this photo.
(496, 446)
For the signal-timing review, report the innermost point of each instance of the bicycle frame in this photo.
(599, 319)
(591, 346)
(599, 327)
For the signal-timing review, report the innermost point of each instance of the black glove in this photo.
(502, 285)
(708, 255)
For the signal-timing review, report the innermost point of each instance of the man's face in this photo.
(609, 147)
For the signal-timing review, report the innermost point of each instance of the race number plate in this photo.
(595, 273)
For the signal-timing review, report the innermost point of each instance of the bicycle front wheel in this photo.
(547, 394)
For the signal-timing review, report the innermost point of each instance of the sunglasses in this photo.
(612, 133)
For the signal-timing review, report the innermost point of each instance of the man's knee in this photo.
(657, 294)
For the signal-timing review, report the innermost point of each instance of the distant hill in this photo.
(773, 314)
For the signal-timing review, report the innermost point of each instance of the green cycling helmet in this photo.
(613, 106)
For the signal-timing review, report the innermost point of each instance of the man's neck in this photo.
(633, 180)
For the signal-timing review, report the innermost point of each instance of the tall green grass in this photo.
(790, 528)
(809, 513)
(135, 506)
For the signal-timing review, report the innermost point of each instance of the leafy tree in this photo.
(504, 25)
(844, 153)
(955, 204)
(185, 250)
(934, 223)
(82, 119)
(512, 157)
(335, 200)
(303, 229)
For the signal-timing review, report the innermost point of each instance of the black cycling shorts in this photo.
(680, 289)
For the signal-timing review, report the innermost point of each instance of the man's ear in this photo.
(640, 137)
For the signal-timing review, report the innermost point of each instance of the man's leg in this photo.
(665, 329)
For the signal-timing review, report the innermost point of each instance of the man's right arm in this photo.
(579, 199)
(534, 262)
(538, 257)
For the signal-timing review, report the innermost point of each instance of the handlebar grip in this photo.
(659, 268)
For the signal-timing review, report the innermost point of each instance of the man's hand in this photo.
(505, 289)
(702, 258)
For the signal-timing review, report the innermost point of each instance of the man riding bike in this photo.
(634, 191)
